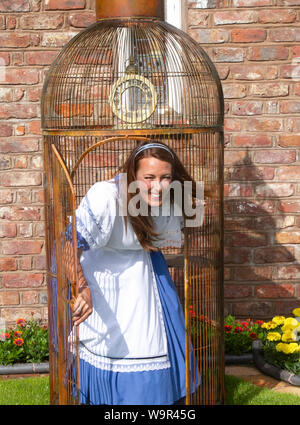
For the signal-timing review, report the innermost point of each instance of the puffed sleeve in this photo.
(95, 216)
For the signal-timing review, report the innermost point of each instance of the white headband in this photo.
(153, 145)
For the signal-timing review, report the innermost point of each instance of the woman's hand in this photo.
(83, 306)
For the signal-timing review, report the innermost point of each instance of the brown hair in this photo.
(143, 225)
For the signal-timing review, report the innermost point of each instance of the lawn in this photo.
(35, 391)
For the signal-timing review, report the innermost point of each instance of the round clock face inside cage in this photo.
(133, 98)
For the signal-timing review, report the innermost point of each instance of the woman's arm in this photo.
(82, 305)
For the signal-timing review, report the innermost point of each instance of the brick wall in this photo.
(255, 47)
(32, 32)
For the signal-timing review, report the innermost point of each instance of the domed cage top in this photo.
(119, 82)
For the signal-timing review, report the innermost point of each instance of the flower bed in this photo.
(27, 342)
(239, 335)
(281, 342)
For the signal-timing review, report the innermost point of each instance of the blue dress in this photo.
(132, 347)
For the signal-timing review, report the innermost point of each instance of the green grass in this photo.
(35, 391)
(27, 391)
(240, 392)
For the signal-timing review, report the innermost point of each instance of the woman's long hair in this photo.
(143, 225)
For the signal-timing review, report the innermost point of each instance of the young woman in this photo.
(131, 323)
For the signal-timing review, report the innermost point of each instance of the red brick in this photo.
(5, 131)
(275, 16)
(253, 274)
(289, 272)
(288, 237)
(8, 264)
(12, 314)
(275, 156)
(18, 40)
(253, 207)
(268, 53)
(9, 298)
(252, 3)
(30, 297)
(252, 141)
(253, 72)
(289, 140)
(22, 144)
(290, 71)
(289, 206)
(234, 17)
(237, 291)
(64, 4)
(274, 190)
(282, 290)
(228, 54)
(22, 280)
(6, 197)
(251, 173)
(289, 107)
(258, 309)
(247, 108)
(244, 239)
(41, 21)
(290, 172)
(21, 111)
(274, 254)
(293, 125)
(21, 76)
(269, 89)
(25, 263)
(45, 57)
(236, 157)
(231, 124)
(264, 124)
(56, 39)
(33, 93)
(239, 255)
(14, 6)
(82, 20)
(16, 247)
(20, 213)
(26, 178)
(249, 35)
(8, 230)
(296, 52)
(4, 59)
(284, 34)
(208, 36)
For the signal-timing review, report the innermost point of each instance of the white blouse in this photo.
(125, 331)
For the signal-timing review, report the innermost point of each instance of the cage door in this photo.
(67, 288)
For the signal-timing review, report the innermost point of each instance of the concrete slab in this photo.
(253, 375)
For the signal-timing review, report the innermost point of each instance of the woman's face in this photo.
(156, 176)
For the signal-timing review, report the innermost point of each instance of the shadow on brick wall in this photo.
(261, 269)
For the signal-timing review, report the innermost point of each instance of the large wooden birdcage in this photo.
(132, 77)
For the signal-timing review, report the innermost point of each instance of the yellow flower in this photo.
(279, 320)
(288, 336)
(293, 347)
(296, 312)
(291, 323)
(279, 347)
(269, 325)
(274, 336)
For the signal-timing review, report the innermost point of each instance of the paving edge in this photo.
(24, 368)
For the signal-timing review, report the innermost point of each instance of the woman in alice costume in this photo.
(131, 323)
